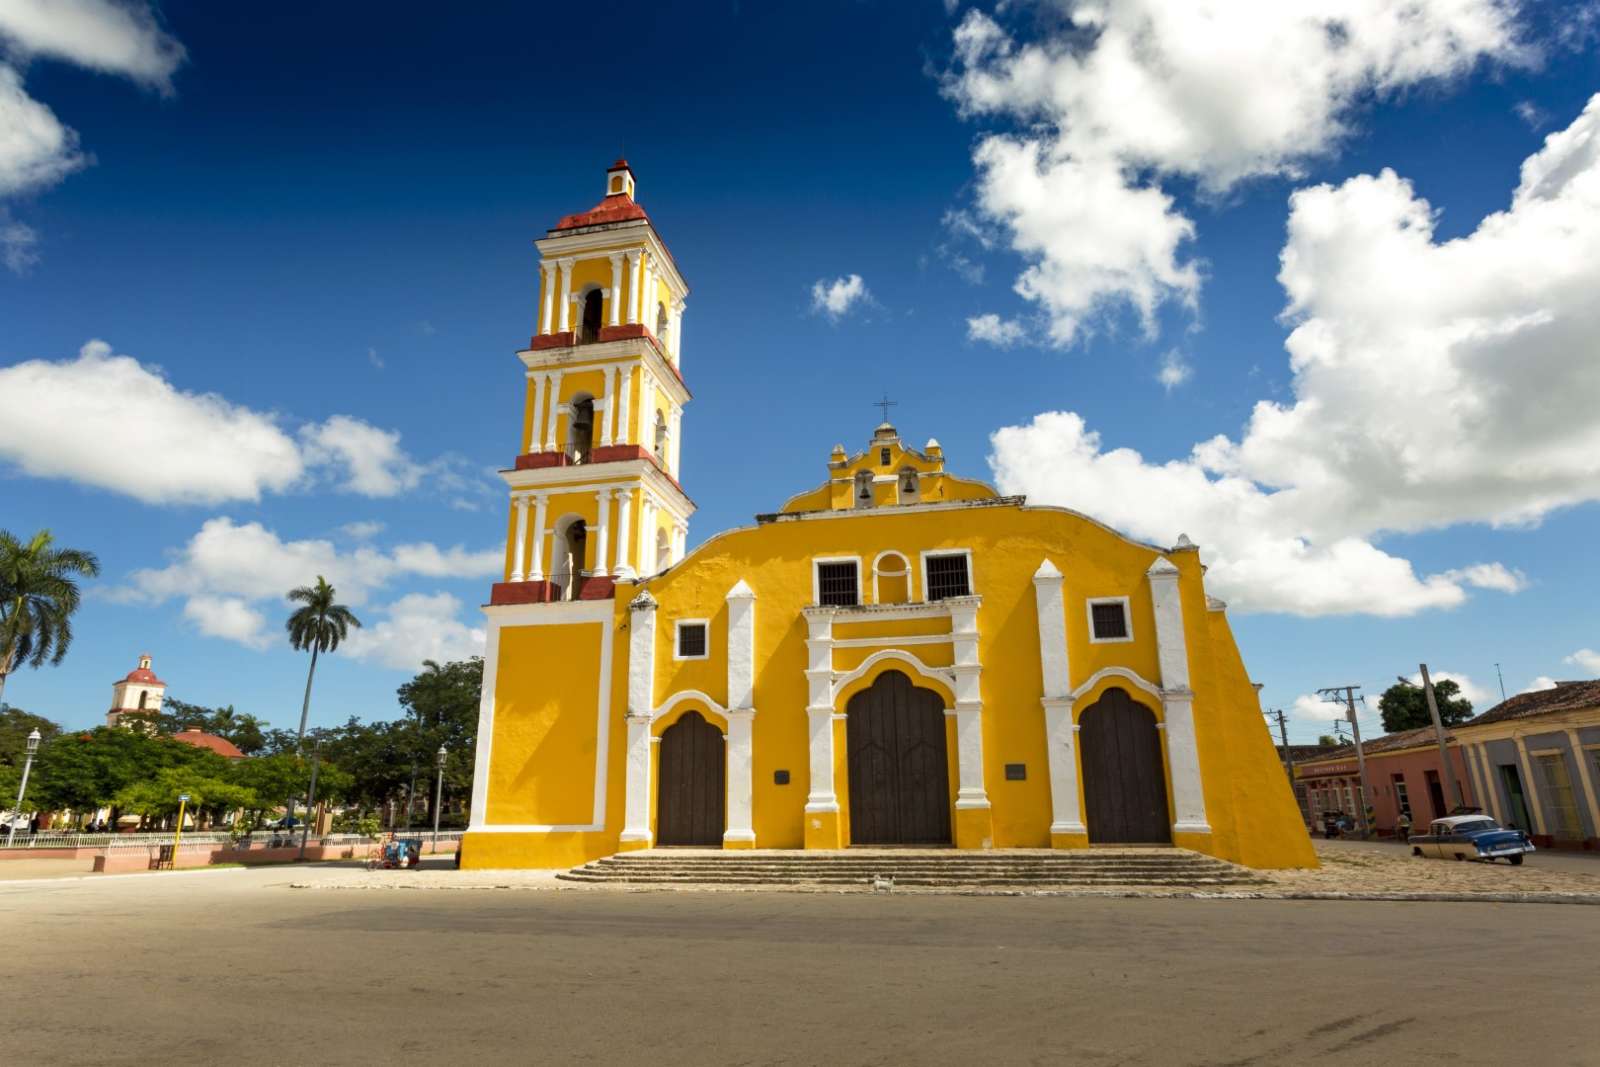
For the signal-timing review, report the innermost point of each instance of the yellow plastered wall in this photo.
(1253, 815)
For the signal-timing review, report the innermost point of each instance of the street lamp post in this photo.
(438, 795)
(33, 746)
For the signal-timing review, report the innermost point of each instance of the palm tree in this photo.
(319, 626)
(37, 598)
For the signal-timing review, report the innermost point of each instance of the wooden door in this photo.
(1124, 781)
(898, 764)
(689, 800)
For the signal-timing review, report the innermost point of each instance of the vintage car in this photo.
(1471, 837)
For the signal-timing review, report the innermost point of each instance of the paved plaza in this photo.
(238, 966)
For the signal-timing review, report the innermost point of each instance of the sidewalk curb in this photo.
(91, 877)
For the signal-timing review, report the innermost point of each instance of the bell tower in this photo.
(595, 489)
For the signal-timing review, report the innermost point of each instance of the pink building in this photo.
(1403, 774)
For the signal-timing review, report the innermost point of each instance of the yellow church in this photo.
(899, 656)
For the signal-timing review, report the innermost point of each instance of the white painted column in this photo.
(538, 410)
(547, 270)
(625, 538)
(485, 743)
(1177, 700)
(1061, 736)
(608, 378)
(635, 284)
(647, 300)
(641, 708)
(536, 572)
(680, 540)
(970, 791)
(552, 408)
(647, 410)
(519, 546)
(616, 288)
(566, 294)
(647, 530)
(676, 332)
(624, 404)
(601, 546)
(741, 712)
(819, 708)
(675, 442)
(1584, 777)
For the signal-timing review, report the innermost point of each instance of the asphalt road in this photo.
(233, 966)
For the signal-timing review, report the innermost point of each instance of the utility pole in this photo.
(1502, 679)
(1283, 732)
(1331, 693)
(1438, 733)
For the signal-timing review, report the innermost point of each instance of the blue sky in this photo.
(311, 240)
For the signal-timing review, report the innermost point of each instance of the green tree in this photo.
(1329, 741)
(15, 726)
(243, 729)
(1405, 707)
(443, 703)
(87, 770)
(38, 594)
(209, 796)
(318, 626)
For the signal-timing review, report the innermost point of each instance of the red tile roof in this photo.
(1566, 696)
(617, 207)
(200, 739)
(145, 675)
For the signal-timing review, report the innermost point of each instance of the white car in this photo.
(1471, 837)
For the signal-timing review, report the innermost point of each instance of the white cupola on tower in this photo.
(140, 692)
(619, 179)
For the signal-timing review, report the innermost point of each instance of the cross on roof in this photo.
(885, 404)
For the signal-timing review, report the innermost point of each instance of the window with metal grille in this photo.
(1110, 620)
(837, 584)
(691, 640)
(947, 576)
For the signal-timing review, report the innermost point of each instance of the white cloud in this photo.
(1540, 684)
(1587, 658)
(372, 461)
(416, 627)
(1531, 113)
(104, 35)
(374, 359)
(1310, 706)
(36, 150)
(232, 577)
(111, 422)
(228, 617)
(361, 531)
(1175, 370)
(835, 298)
(992, 329)
(1116, 98)
(108, 421)
(1434, 384)
(17, 241)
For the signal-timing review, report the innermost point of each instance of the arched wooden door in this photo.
(1124, 782)
(899, 769)
(689, 800)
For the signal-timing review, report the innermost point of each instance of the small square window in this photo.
(1109, 619)
(947, 576)
(837, 584)
(692, 640)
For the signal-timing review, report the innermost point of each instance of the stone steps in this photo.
(923, 868)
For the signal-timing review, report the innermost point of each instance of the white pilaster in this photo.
(536, 572)
(969, 704)
(680, 538)
(675, 331)
(608, 378)
(675, 442)
(602, 566)
(741, 645)
(552, 408)
(1531, 788)
(519, 546)
(616, 288)
(565, 302)
(1585, 779)
(819, 708)
(1177, 700)
(624, 404)
(1060, 736)
(538, 410)
(547, 270)
(635, 284)
(625, 538)
(641, 706)
(647, 308)
(741, 777)
(647, 411)
(647, 531)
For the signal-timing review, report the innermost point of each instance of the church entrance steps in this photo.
(915, 867)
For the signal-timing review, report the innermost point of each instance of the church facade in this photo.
(899, 656)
